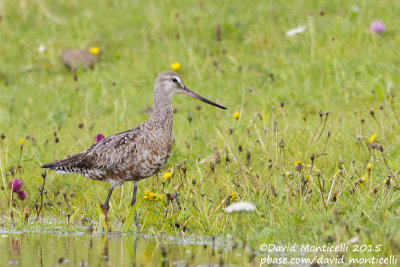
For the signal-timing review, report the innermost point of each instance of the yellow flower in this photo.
(167, 175)
(148, 195)
(306, 179)
(152, 195)
(21, 141)
(364, 178)
(176, 66)
(233, 196)
(236, 115)
(287, 174)
(297, 163)
(372, 138)
(94, 50)
(304, 116)
(369, 166)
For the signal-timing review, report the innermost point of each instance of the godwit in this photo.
(137, 153)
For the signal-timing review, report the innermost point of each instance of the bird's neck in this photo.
(162, 111)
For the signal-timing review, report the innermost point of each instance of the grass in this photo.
(316, 98)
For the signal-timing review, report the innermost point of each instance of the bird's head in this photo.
(169, 83)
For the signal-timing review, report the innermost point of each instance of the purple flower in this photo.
(377, 27)
(15, 185)
(22, 195)
(98, 138)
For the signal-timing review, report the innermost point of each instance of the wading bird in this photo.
(137, 153)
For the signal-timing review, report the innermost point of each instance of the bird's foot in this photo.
(104, 209)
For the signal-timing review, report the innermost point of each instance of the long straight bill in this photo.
(186, 91)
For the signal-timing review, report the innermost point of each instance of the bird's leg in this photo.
(106, 205)
(133, 203)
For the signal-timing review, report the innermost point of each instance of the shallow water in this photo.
(94, 249)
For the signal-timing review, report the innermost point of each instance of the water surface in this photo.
(60, 248)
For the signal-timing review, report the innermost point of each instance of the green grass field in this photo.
(307, 160)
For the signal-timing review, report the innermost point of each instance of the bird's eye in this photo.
(174, 80)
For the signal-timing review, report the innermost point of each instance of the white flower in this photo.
(353, 240)
(41, 48)
(240, 206)
(297, 30)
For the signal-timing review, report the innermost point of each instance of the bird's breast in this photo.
(151, 156)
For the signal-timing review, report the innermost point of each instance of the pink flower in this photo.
(15, 185)
(22, 195)
(98, 138)
(377, 27)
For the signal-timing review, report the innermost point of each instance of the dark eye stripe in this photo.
(174, 80)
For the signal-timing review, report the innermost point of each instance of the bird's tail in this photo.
(67, 165)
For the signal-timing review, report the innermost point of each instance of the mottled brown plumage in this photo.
(137, 153)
